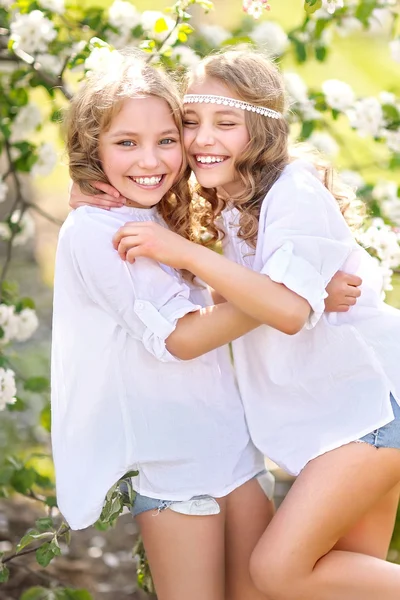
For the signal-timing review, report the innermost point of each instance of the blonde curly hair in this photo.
(91, 111)
(255, 79)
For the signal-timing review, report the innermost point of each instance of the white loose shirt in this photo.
(120, 400)
(329, 384)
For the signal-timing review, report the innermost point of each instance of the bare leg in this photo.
(185, 554)
(372, 534)
(294, 558)
(248, 513)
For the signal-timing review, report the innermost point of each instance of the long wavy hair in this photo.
(91, 111)
(254, 78)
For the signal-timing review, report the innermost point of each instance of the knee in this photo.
(270, 576)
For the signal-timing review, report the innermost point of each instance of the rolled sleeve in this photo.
(306, 240)
(142, 298)
(160, 323)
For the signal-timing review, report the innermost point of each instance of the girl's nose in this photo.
(204, 137)
(148, 159)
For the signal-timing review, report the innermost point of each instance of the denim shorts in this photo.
(387, 436)
(198, 505)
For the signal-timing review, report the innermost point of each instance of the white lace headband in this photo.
(233, 103)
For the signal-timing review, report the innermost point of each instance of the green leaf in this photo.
(18, 406)
(35, 593)
(37, 384)
(364, 11)
(70, 594)
(6, 473)
(300, 50)
(47, 551)
(394, 162)
(130, 474)
(24, 303)
(307, 129)
(4, 573)
(321, 53)
(311, 6)
(23, 479)
(30, 537)
(51, 501)
(44, 524)
(45, 418)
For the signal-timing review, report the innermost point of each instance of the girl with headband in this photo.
(322, 402)
(232, 165)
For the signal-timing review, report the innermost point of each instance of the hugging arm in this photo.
(150, 304)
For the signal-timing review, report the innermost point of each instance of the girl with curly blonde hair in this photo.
(121, 402)
(321, 392)
(244, 521)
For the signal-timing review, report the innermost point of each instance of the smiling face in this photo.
(215, 136)
(141, 152)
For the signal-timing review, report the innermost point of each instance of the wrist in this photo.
(190, 257)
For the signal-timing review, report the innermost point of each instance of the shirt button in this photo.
(139, 305)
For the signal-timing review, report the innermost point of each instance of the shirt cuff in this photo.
(160, 323)
(298, 275)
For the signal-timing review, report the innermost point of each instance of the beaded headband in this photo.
(233, 103)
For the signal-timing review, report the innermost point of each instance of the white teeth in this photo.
(147, 180)
(209, 159)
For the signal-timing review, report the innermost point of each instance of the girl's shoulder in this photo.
(298, 185)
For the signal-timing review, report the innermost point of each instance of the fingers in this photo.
(123, 232)
(126, 244)
(107, 189)
(353, 280)
(352, 292)
(343, 308)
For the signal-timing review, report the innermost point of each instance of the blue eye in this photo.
(126, 143)
(167, 141)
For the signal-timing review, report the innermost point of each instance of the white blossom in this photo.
(271, 36)
(3, 189)
(338, 94)
(395, 49)
(26, 224)
(331, 5)
(352, 179)
(27, 323)
(324, 142)
(32, 32)
(50, 63)
(393, 140)
(348, 25)
(385, 242)
(366, 117)
(56, 6)
(385, 193)
(8, 323)
(8, 389)
(186, 56)
(387, 98)
(102, 59)
(215, 35)
(27, 120)
(149, 19)
(384, 190)
(296, 87)
(380, 21)
(47, 160)
(7, 4)
(123, 15)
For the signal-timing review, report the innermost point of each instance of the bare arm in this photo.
(204, 330)
(254, 293)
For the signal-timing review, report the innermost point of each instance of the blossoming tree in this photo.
(48, 45)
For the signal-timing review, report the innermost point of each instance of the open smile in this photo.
(209, 160)
(153, 182)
